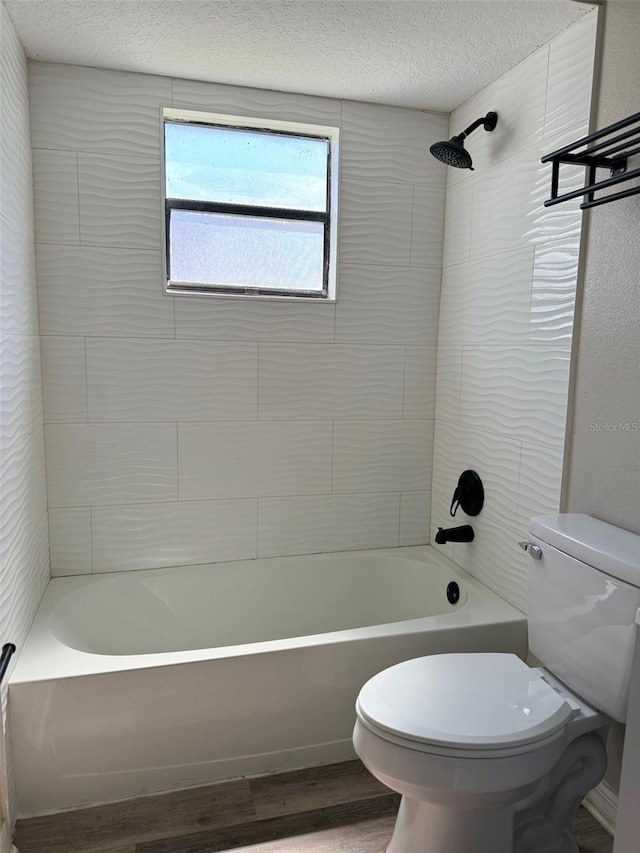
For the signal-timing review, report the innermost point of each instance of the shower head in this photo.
(453, 153)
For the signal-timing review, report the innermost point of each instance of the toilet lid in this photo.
(464, 700)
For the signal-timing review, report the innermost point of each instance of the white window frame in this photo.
(192, 115)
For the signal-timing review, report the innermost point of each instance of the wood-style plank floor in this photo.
(338, 808)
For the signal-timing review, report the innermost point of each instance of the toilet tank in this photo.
(583, 597)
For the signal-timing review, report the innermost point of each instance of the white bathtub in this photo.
(153, 680)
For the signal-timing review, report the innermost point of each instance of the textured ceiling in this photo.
(431, 54)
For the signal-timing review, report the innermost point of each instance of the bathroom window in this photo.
(250, 207)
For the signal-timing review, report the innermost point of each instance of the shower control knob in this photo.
(531, 549)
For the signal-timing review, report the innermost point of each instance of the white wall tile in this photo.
(457, 222)
(119, 201)
(97, 291)
(539, 483)
(553, 295)
(420, 382)
(448, 383)
(95, 109)
(239, 460)
(391, 141)
(158, 380)
(382, 456)
(110, 463)
(252, 320)
(375, 222)
(519, 392)
(427, 229)
(415, 517)
(308, 525)
(172, 534)
(70, 541)
(325, 381)
(64, 379)
(55, 189)
(387, 305)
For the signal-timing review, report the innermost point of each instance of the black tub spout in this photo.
(454, 534)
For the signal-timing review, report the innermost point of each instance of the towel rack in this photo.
(7, 652)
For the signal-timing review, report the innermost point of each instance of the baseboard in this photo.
(602, 804)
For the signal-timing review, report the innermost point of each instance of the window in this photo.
(250, 210)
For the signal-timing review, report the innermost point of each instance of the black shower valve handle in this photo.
(455, 502)
(468, 494)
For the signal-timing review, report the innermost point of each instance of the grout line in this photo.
(404, 379)
(78, 197)
(177, 462)
(333, 432)
(399, 515)
(91, 535)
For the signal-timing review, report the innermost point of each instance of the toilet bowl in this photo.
(473, 742)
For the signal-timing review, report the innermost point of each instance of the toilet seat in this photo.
(457, 704)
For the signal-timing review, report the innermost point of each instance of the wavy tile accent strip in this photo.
(309, 525)
(553, 295)
(427, 229)
(55, 188)
(571, 63)
(387, 305)
(518, 392)
(173, 534)
(419, 382)
(64, 379)
(110, 463)
(70, 541)
(375, 223)
(415, 511)
(84, 290)
(330, 381)
(19, 315)
(235, 320)
(119, 201)
(156, 380)
(391, 141)
(382, 456)
(495, 458)
(239, 460)
(92, 109)
(487, 300)
(16, 414)
(238, 100)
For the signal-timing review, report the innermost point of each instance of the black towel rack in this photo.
(611, 151)
(7, 651)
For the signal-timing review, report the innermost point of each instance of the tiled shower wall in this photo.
(507, 307)
(24, 552)
(186, 430)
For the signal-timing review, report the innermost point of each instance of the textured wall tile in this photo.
(110, 463)
(119, 201)
(172, 534)
(448, 383)
(308, 525)
(237, 100)
(553, 295)
(457, 222)
(70, 541)
(487, 300)
(19, 315)
(55, 190)
(571, 61)
(427, 229)
(382, 456)
(94, 291)
(64, 379)
(415, 512)
(390, 141)
(238, 320)
(539, 483)
(420, 382)
(94, 109)
(495, 458)
(519, 392)
(156, 380)
(330, 381)
(375, 222)
(17, 377)
(387, 305)
(239, 460)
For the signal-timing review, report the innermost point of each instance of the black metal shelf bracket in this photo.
(7, 652)
(605, 149)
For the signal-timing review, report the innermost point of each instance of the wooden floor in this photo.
(338, 808)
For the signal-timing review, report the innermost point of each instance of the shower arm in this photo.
(488, 121)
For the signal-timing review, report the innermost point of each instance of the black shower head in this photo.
(453, 152)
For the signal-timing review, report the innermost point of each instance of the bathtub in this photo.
(153, 680)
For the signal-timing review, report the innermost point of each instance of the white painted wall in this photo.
(24, 548)
(183, 430)
(506, 315)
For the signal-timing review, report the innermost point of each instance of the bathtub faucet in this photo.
(454, 534)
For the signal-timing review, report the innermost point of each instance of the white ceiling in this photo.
(431, 54)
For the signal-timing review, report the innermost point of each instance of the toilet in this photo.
(492, 755)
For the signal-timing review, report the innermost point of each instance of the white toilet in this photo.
(491, 755)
